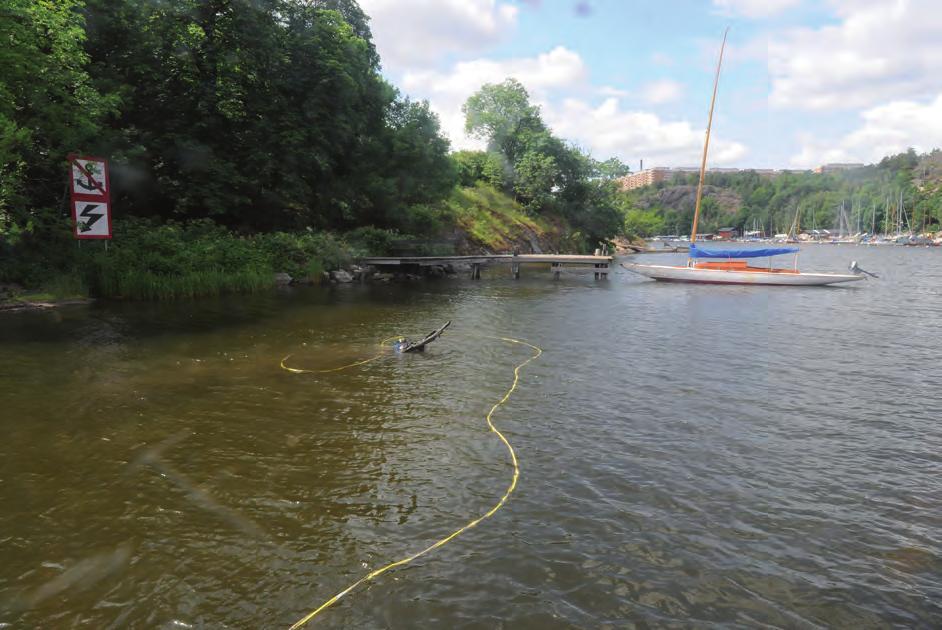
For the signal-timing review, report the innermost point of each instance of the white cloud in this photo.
(879, 51)
(604, 129)
(662, 91)
(608, 90)
(886, 129)
(608, 130)
(420, 32)
(447, 91)
(754, 9)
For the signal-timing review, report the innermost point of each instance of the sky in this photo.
(804, 82)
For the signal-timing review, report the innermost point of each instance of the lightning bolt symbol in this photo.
(91, 218)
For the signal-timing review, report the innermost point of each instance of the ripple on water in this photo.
(690, 456)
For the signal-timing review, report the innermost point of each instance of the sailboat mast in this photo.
(706, 143)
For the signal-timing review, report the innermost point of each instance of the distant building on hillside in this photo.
(644, 178)
(837, 166)
(657, 174)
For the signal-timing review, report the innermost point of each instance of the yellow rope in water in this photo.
(381, 354)
(513, 484)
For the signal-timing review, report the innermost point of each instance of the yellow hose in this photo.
(381, 354)
(513, 483)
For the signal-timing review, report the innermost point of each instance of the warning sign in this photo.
(89, 177)
(91, 196)
(92, 219)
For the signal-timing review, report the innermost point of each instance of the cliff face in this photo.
(682, 198)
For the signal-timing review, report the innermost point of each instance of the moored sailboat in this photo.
(726, 266)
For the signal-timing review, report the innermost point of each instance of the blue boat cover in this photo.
(696, 252)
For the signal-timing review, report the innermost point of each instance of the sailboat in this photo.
(724, 266)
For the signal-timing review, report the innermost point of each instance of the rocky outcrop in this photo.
(684, 197)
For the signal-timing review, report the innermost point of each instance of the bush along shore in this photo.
(150, 259)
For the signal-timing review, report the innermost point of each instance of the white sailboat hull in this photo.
(666, 273)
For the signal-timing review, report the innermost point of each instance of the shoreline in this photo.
(17, 304)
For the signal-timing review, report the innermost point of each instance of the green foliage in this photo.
(870, 196)
(169, 261)
(493, 220)
(48, 106)
(373, 241)
(536, 174)
(545, 174)
(262, 114)
(642, 223)
(479, 166)
(302, 255)
(610, 169)
(501, 113)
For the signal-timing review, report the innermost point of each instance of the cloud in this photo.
(608, 90)
(411, 33)
(447, 91)
(662, 91)
(603, 128)
(885, 130)
(607, 130)
(878, 51)
(754, 9)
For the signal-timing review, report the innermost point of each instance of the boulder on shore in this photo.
(282, 279)
(341, 275)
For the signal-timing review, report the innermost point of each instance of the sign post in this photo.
(91, 197)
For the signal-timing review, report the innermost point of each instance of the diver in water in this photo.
(403, 344)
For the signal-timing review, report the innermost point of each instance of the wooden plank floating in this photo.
(598, 264)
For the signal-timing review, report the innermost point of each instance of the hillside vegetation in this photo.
(870, 196)
(231, 124)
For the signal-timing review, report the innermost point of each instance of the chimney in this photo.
(641, 167)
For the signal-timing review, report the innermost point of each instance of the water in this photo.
(691, 455)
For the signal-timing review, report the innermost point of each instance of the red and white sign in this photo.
(91, 196)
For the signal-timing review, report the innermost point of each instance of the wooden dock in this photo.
(597, 264)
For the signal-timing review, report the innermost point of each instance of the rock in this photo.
(435, 271)
(381, 277)
(534, 241)
(282, 279)
(341, 275)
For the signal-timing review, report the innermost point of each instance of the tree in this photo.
(479, 166)
(501, 114)
(612, 168)
(536, 174)
(48, 106)
(641, 223)
(260, 114)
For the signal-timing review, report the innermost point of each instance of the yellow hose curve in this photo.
(510, 488)
(381, 354)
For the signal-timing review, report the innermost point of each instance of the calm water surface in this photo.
(691, 456)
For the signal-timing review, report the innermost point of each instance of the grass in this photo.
(492, 219)
(139, 284)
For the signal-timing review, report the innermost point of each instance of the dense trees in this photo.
(259, 114)
(539, 169)
(48, 104)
